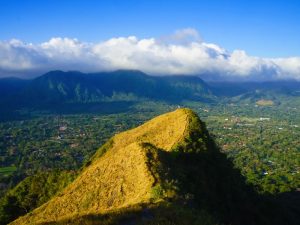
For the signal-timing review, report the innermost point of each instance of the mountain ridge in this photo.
(132, 146)
(119, 91)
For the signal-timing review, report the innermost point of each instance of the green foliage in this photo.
(266, 151)
(157, 192)
(31, 193)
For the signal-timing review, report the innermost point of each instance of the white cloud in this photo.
(181, 53)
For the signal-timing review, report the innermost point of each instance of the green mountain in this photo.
(112, 92)
(166, 171)
(59, 87)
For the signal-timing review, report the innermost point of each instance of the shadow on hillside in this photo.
(209, 191)
(208, 181)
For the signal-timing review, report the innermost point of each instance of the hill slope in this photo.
(167, 171)
(122, 176)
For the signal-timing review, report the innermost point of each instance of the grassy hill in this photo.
(122, 176)
(166, 171)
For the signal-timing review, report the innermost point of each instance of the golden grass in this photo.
(120, 178)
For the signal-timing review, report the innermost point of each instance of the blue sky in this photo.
(236, 39)
(266, 28)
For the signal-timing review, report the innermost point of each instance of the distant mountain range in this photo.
(58, 89)
(76, 87)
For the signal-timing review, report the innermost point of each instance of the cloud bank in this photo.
(181, 53)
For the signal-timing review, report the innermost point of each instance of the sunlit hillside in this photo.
(122, 177)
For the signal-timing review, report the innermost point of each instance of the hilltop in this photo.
(166, 171)
(123, 176)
